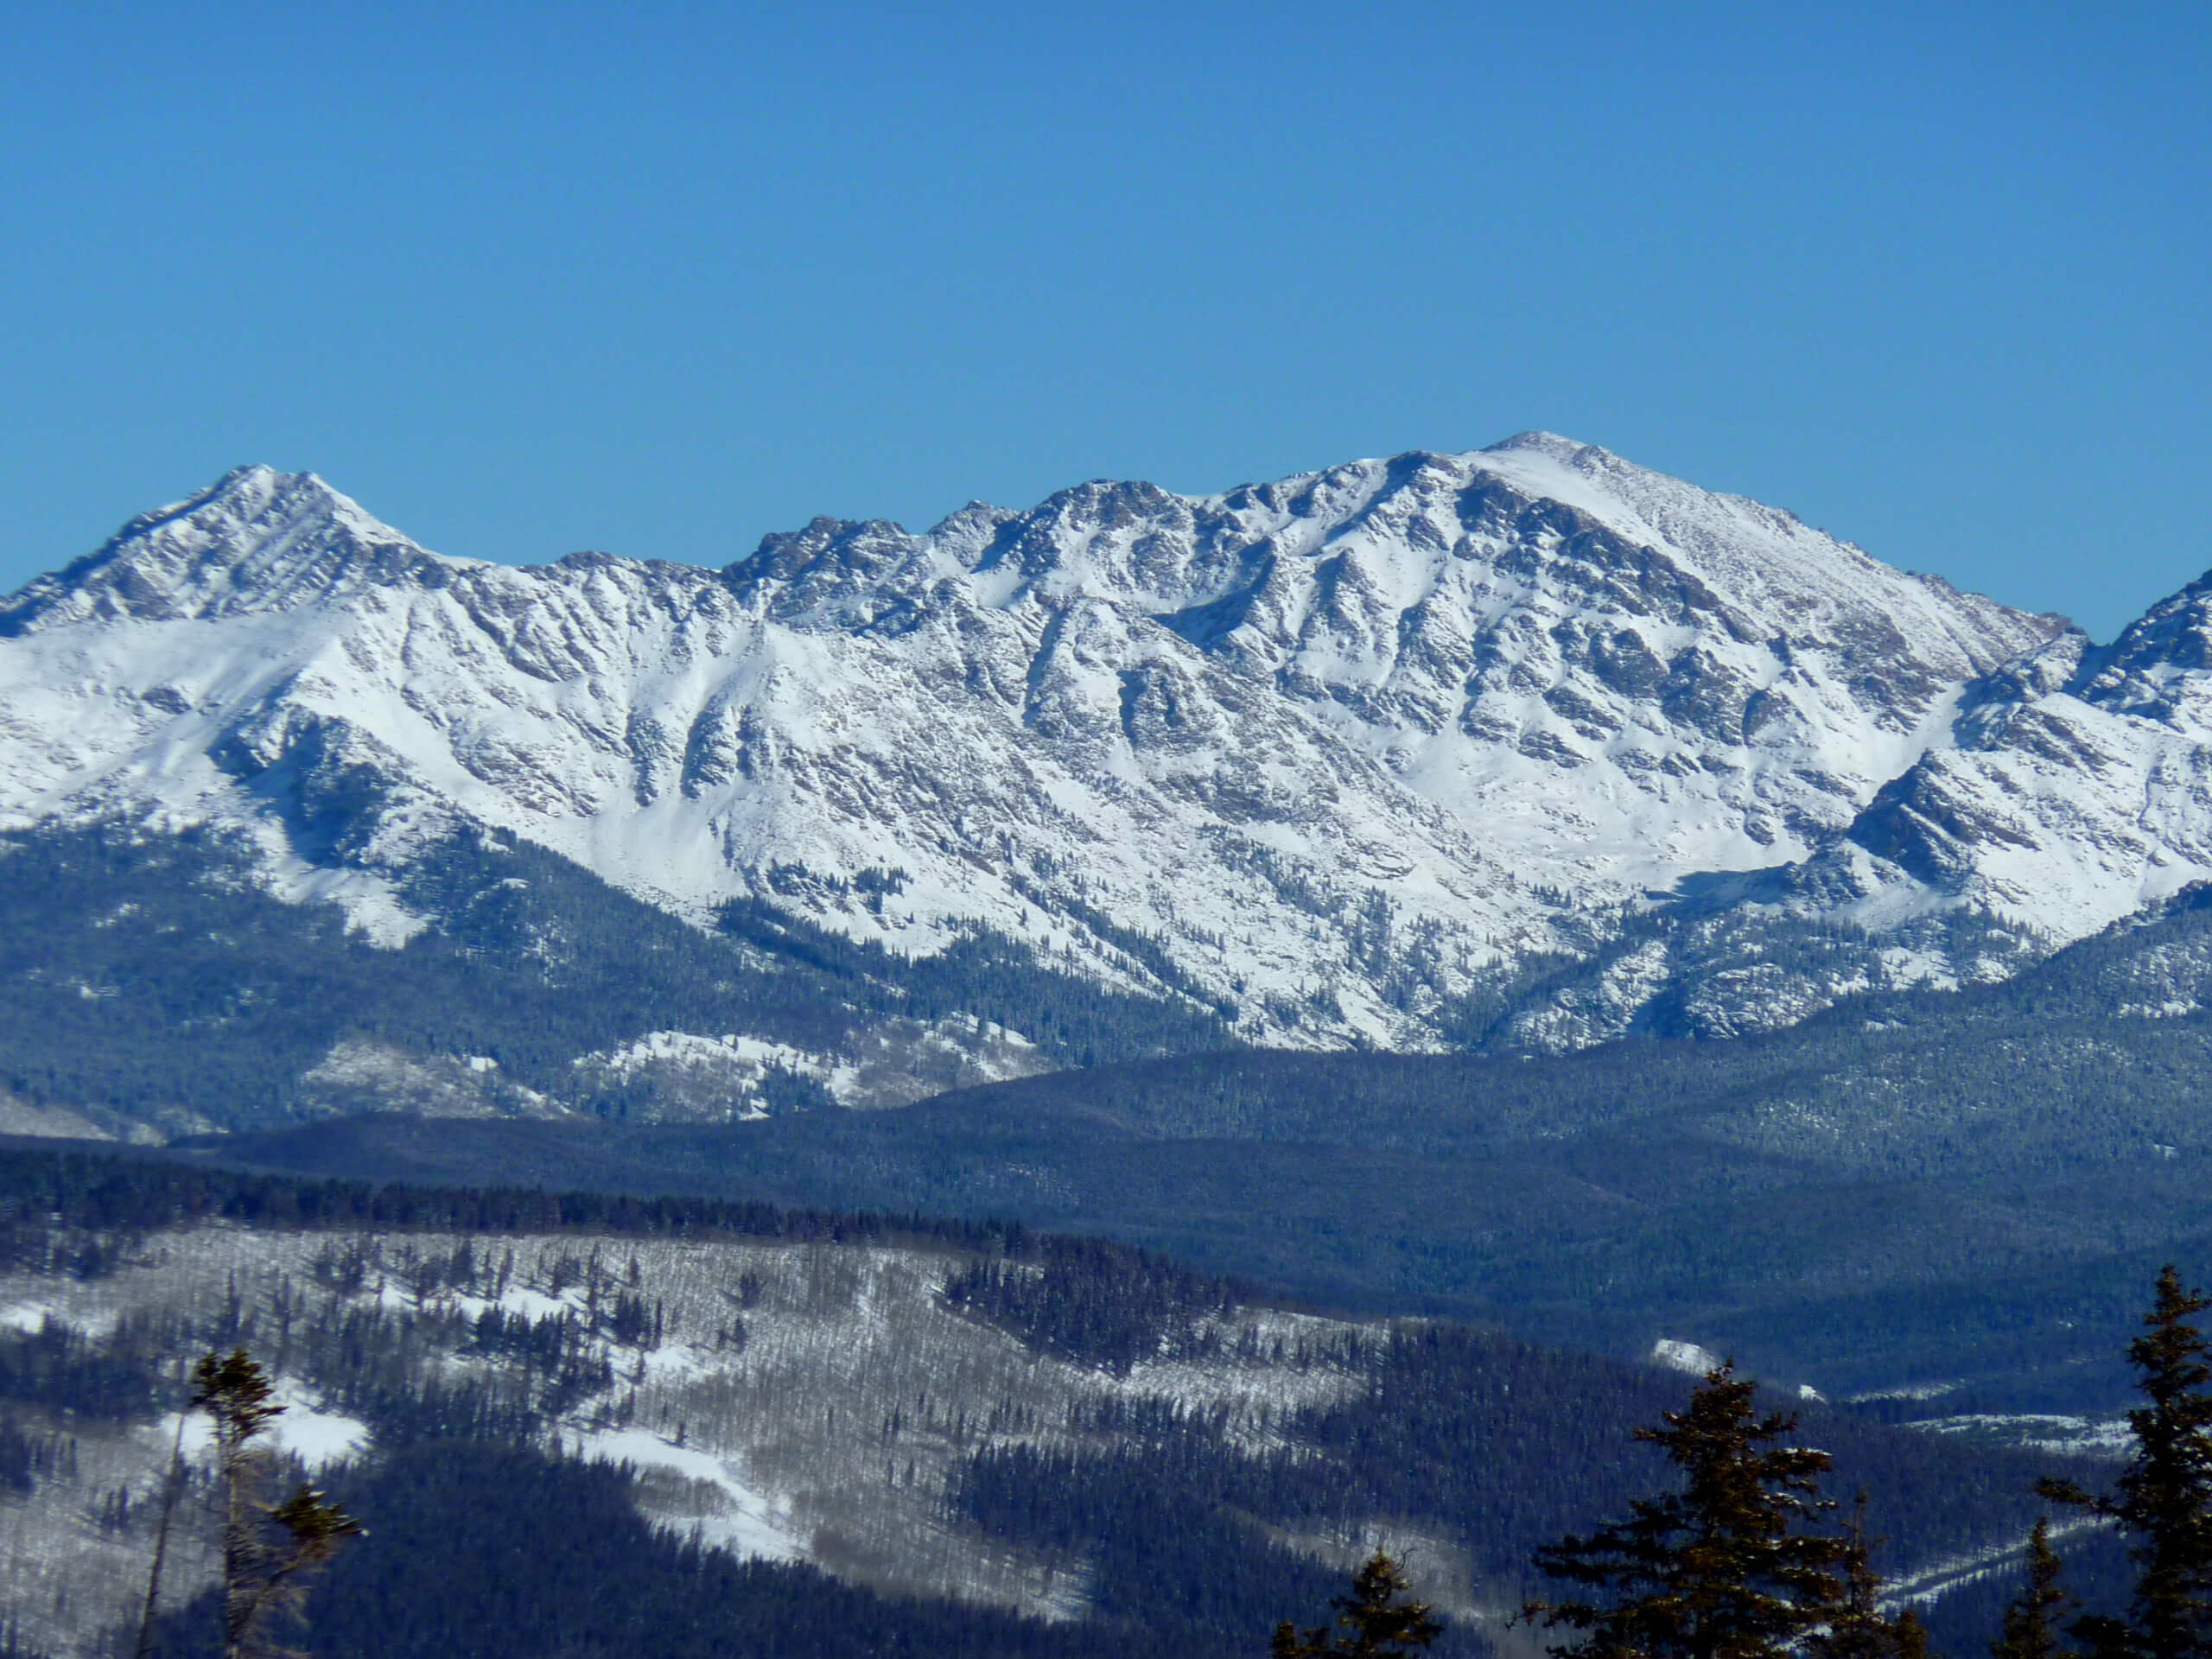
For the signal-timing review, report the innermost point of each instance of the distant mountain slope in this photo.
(148, 988)
(1342, 756)
(2078, 785)
(1916, 1188)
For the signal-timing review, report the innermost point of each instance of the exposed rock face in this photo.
(1327, 751)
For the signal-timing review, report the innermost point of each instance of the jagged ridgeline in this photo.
(668, 1427)
(1524, 749)
(1341, 760)
(150, 980)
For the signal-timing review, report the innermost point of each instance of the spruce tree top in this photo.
(2163, 1498)
(1379, 1620)
(1730, 1566)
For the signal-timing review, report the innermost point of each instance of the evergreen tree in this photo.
(1729, 1567)
(1377, 1622)
(2031, 1629)
(1857, 1629)
(267, 1551)
(2164, 1499)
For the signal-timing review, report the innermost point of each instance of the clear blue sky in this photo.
(659, 279)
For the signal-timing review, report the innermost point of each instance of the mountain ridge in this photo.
(1339, 752)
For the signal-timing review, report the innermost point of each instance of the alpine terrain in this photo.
(1526, 748)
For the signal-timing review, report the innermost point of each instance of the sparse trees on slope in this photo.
(1732, 1567)
(268, 1551)
(1378, 1621)
(2164, 1499)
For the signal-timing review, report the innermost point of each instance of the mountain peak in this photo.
(254, 480)
(1763, 558)
(245, 494)
(255, 539)
(2156, 658)
(1537, 442)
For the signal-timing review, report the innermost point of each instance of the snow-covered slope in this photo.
(1327, 750)
(2079, 787)
(760, 1418)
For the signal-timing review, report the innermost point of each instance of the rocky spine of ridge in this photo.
(1338, 753)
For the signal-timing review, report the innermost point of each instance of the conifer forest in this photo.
(356, 1418)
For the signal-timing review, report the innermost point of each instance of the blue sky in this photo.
(660, 279)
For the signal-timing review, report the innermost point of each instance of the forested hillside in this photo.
(150, 982)
(1946, 1189)
(980, 1417)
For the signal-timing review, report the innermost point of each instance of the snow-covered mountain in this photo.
(2077, 787)
(1331, 753)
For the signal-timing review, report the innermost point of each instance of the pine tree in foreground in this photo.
(1857, 1629)
(2164, 1499)
(1378, 1623)
(2031, 1629)
(268, 1551)
(1729, 1567)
